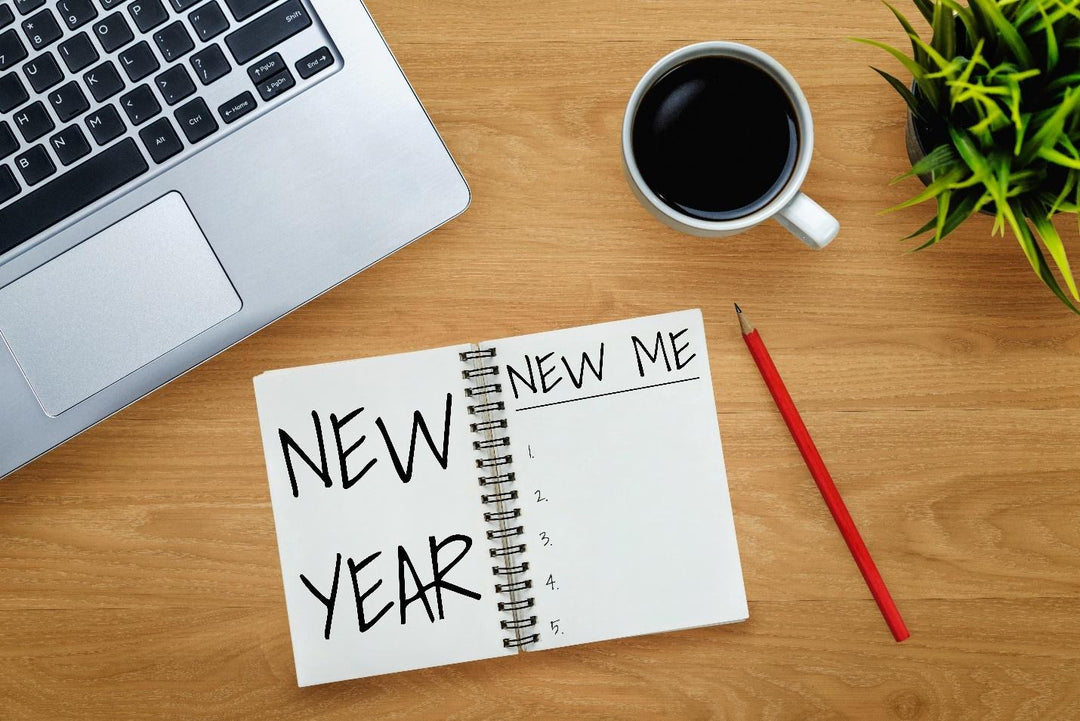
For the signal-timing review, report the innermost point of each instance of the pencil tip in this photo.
(737, 308)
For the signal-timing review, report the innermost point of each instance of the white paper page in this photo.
(377, 514)
(624, 493)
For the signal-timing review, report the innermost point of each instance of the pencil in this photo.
(822, 478)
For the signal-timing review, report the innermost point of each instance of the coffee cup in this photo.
(717, 138)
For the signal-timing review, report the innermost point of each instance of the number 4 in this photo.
(551, 582)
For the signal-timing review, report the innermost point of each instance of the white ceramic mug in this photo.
(804, 218)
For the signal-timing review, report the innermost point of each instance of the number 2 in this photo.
(539, 496)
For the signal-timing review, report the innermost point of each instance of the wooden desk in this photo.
(138, 568)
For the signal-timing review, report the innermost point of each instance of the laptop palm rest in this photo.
(113, 303)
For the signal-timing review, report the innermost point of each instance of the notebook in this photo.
(514, 495)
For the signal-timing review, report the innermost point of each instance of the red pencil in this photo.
(822, 478)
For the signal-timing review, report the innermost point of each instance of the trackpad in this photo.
(114, 303)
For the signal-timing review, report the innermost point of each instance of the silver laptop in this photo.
(177, 174)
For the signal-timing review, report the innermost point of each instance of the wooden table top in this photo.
(138, 566)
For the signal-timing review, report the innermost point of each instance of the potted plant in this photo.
(994, 121)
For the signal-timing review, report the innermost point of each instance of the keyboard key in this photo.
(148, 14)
(195, 120)
(270, 65)
(316, 62)
(42, 29)
(11, 49)
(70, 145)
(12, 92)
(68, 101)
(113, 32)
(77, 52)
(26, 7)
(276, 85)
(9, 187)
(182, 5)
(103, 81)
(266, 31)
(110, 4)
(242, 9)
(8, 143)
(6, 16)
(138, 61)
(33, 121)
(237, 108)
(140, 104)
(105, 125)
(43, 72)
(68, 193)
(35, 165)
(174, 84)
(210, 65)
(209, 21)
(173, 41)
(161, 140)
(76, 13)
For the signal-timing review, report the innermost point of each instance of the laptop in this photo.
(177, 174)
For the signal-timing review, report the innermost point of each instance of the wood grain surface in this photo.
(138, 566)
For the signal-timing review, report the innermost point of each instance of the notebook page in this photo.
(380, 529)
(621, 474)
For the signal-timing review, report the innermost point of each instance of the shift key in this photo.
(266, 31)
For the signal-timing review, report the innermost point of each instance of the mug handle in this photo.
(808, 222)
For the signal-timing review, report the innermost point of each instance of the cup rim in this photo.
(722, 48)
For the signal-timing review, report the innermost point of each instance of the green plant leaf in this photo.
(964, 13)
(1057, 203)
(928, 88)
(927, 227)
(957, 214)
(936, 188)
(1047, 135)
(1058, 158)
(1038, 263)
(1009, 35)
(940, 157)
(916, 51)
(1052, 52)
(1050, 238)
(945, 65)
(944, 38)
(926, 8)
(918, 108)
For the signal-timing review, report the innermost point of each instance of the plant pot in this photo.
(917, 136)
(913, 142)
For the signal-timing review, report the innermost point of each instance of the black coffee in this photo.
(716, 138)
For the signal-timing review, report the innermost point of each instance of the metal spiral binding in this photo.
(494, 459)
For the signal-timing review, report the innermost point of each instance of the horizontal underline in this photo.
(611, 393)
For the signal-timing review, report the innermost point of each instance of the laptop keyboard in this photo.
(99, 95)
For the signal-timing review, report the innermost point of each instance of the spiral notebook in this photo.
(513, 495)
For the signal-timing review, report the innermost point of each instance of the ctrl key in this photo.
(195, 120)
(237, 108)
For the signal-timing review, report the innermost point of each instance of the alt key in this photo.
(315, 62)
